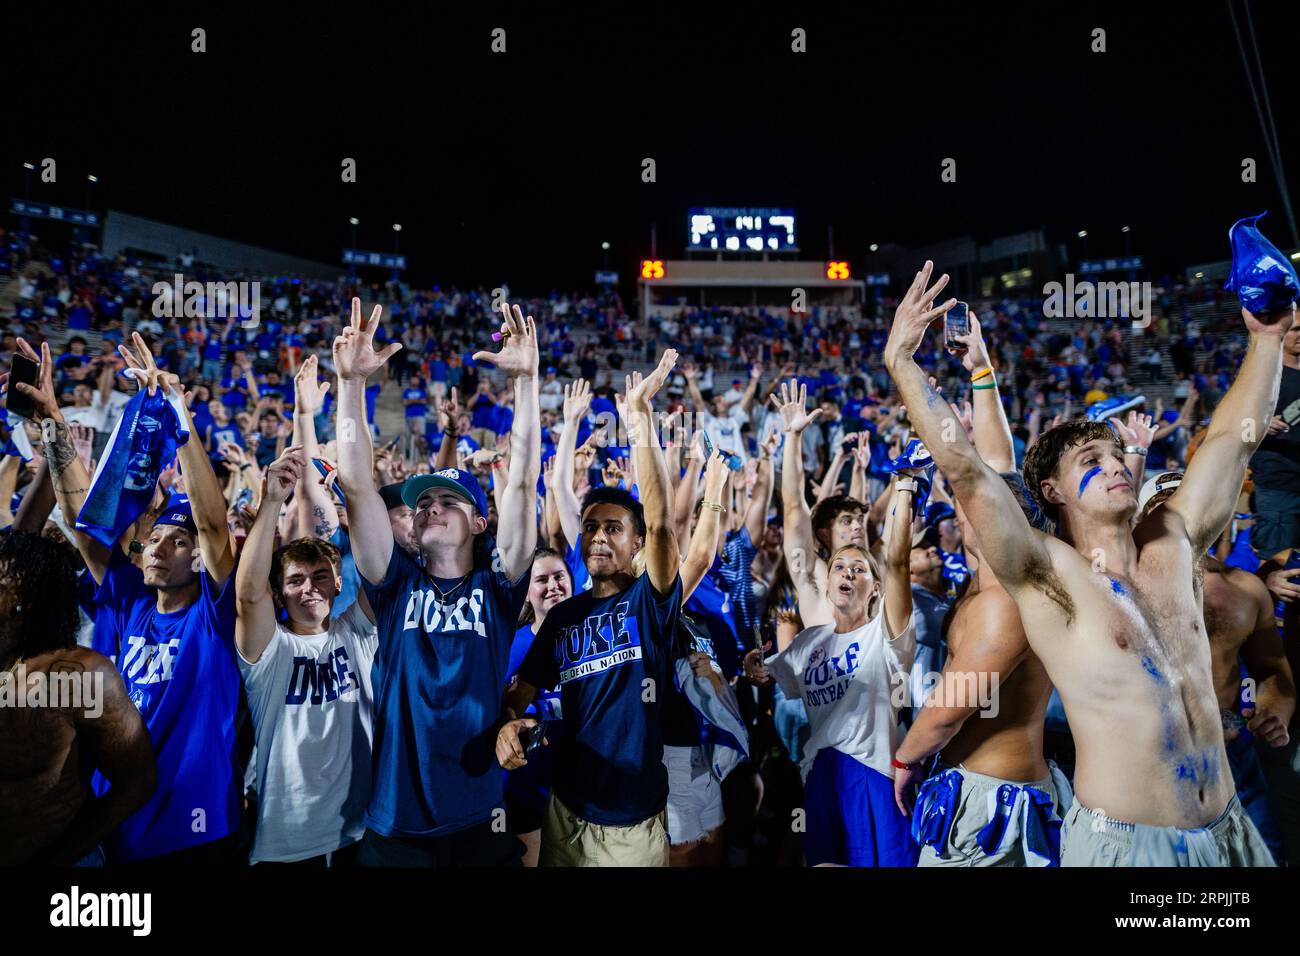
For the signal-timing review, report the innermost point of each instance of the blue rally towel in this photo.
(1262, 275)
(143, 443)
(915, 455)
(724, 737)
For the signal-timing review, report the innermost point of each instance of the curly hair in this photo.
(1044, 456)
(42, 577)
(303, 551)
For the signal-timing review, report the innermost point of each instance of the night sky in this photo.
(515, 167)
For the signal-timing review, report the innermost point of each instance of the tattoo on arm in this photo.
(57, 446)
(322, 528)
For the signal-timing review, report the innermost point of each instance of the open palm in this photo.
(791, 404)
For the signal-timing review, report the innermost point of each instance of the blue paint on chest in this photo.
(1088, 475)
(1149, 666)
(1118, 588)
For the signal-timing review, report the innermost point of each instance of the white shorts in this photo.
(694, 797)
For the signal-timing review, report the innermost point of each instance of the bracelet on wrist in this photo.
(1135, 450)
(712, 505)
(899, 765)
(983, 388)
(906, 484)
(987, 370)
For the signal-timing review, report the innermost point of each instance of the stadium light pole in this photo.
(397, 247)
(605, 248)
(353, 221)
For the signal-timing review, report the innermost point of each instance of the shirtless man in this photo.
(1113, 611)
(1002, 752)
(1239, 620)
(54, 738)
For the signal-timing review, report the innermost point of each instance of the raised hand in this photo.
(577, 399)
(47, 403)
(641, 391)
(914, 315)
(449, 411)
(1269, 323)
(355, 357)
(83, 440)
(974, 354)
(283, 474)
(1138, 430)
(308, 392)
(518, 355)
(791, 404)
(715, 477)
(966, 416)
(148, 375)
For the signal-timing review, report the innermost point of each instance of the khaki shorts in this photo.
(975, 808)
(569, 840)
(1090, 839)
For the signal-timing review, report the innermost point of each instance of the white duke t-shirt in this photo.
(847, 682)
(313, 718)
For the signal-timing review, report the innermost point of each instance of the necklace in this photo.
(440, 595)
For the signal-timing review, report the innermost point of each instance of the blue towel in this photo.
(143, 443)
(18, 443)
(1262, 275)
(723, 735)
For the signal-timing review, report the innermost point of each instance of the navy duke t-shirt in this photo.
(609, 767)
(440, 669)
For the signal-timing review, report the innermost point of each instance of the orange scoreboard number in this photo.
(652, 268)
(837, 270)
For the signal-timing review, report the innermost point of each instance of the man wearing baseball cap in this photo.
(445, 623)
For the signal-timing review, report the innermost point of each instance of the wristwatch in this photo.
(906, 484)
(1135, 450)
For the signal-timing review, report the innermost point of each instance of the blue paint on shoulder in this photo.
(1088, 475)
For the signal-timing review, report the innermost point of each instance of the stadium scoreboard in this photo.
(741, 229)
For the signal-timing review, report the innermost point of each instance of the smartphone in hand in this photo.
(956, 322)
(23, 370)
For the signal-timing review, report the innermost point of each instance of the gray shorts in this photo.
(1091, 839)
(976, 808)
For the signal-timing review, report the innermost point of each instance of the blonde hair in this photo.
(873, 605)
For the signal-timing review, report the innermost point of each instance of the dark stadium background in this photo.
(518, 166)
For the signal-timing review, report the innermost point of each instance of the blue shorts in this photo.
(853, 819)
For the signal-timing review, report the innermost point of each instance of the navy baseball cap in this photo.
(178, 513)
(392, 495)
(454, 480)
(938, 511)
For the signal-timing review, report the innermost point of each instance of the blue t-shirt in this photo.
(577, 567)
(181, 674)
(351, 579)
(711, 606)
(418, 410)
(609, 767)
(546, 706)
(441, 670)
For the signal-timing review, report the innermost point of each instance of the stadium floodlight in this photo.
(354, 221)
(605, 246)
(28, 166)
(1123, 228)
(873, 247)
(397, 227)
(92, 178)
(1083, 234)
(1295, 255)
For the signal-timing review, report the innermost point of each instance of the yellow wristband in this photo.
(979, 375)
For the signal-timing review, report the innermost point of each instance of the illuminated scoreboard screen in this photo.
(742, 229)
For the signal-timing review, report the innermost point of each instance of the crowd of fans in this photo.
(514, 627)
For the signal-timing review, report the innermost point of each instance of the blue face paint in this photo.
(1127, 472)
(1088, 475)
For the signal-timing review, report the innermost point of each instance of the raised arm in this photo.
(989, 418)
(207, 503)
(356, 360)
(761, 497)
(517, 517)
(1237, 427)
(255, 624)
(315, 506)
(448, 412)
(799, 545)
(689, 372)
(663, 559)
(704, 541)
(746, 400)
(1137, 434)
(577, 399)
(897, 586)
(1013, 549)
(67, 473)
(1265, 659)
